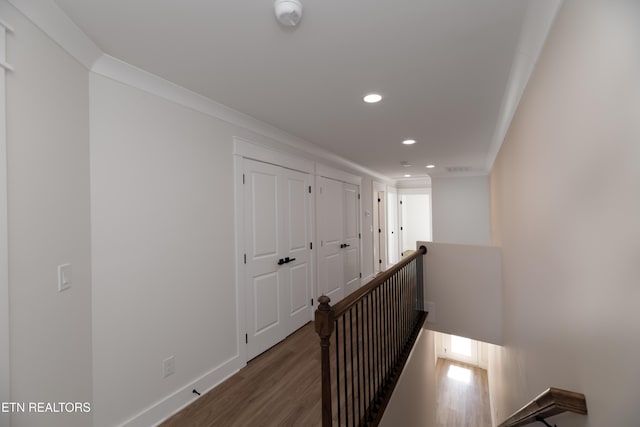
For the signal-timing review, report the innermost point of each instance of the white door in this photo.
(263, 227)
(330, 233)
(379, 230)
(393, 229)
(277, 237)
(297, 220)
(351, 238)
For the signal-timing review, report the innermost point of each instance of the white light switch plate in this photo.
(64, 277)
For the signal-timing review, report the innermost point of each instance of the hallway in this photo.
(463, 395)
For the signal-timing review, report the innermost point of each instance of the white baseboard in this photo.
(183, 397)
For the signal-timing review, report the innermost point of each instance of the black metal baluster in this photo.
(337, 329)
(353, 394)
(346, 368)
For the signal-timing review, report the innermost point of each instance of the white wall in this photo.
(48, 207)
(162, 228)
(415, 212)
(461, 209)
(565, 206)
(463, 290)
(413, 402)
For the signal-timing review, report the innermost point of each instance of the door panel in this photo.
(267, 312)
(297, 220)
(299, 297)
(392, 232)
(263, 278)
(330, 230)
(351, 238)
(265, 217)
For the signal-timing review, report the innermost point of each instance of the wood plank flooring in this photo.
(461, 403)
(280, 387)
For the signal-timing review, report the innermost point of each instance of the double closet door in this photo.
(277, 233)
(339, 236)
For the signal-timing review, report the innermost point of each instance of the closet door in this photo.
(330, 232)
(278, 263)
(263, 239)
(351, 238)
(339, 235)
(297, 234)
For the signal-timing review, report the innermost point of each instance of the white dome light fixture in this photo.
(288, 12)
(409, 141)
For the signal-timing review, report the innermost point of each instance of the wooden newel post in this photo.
(324, 328)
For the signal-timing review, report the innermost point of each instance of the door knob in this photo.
(281, 261)
(287, 260)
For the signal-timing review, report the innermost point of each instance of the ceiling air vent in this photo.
(458, 169)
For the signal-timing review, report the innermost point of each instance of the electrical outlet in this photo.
(168, 366)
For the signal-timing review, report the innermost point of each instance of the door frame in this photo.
(382, 261)
(244, 148)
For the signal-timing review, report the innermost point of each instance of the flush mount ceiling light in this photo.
(406, 175)
(288, 12)
(430, 166)
(372, 98)
(409, 141)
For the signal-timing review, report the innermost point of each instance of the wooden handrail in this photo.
(373, 330)
(552, 401)
(344, 305)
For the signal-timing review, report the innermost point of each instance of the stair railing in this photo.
(365, 340)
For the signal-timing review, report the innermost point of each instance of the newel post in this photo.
(324, 328)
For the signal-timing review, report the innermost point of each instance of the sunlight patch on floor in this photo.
(459, 374)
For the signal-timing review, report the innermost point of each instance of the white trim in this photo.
(251, 150)
(52, 20)
(6, 25)
(536, 26)
(238, 209)
(338, 175)
(181, 398)
(48, 16)
(130, 75)
(5, 353)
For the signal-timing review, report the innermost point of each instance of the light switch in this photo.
(64, 277)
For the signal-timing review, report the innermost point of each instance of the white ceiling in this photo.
(441, 65)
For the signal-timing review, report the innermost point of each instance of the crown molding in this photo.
(123, 72)
(52, 20)
(537, 23)
(48, 16)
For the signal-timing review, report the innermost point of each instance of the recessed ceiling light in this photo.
(372, 98)
(409, 141)
(406, 175)
(431, 166)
